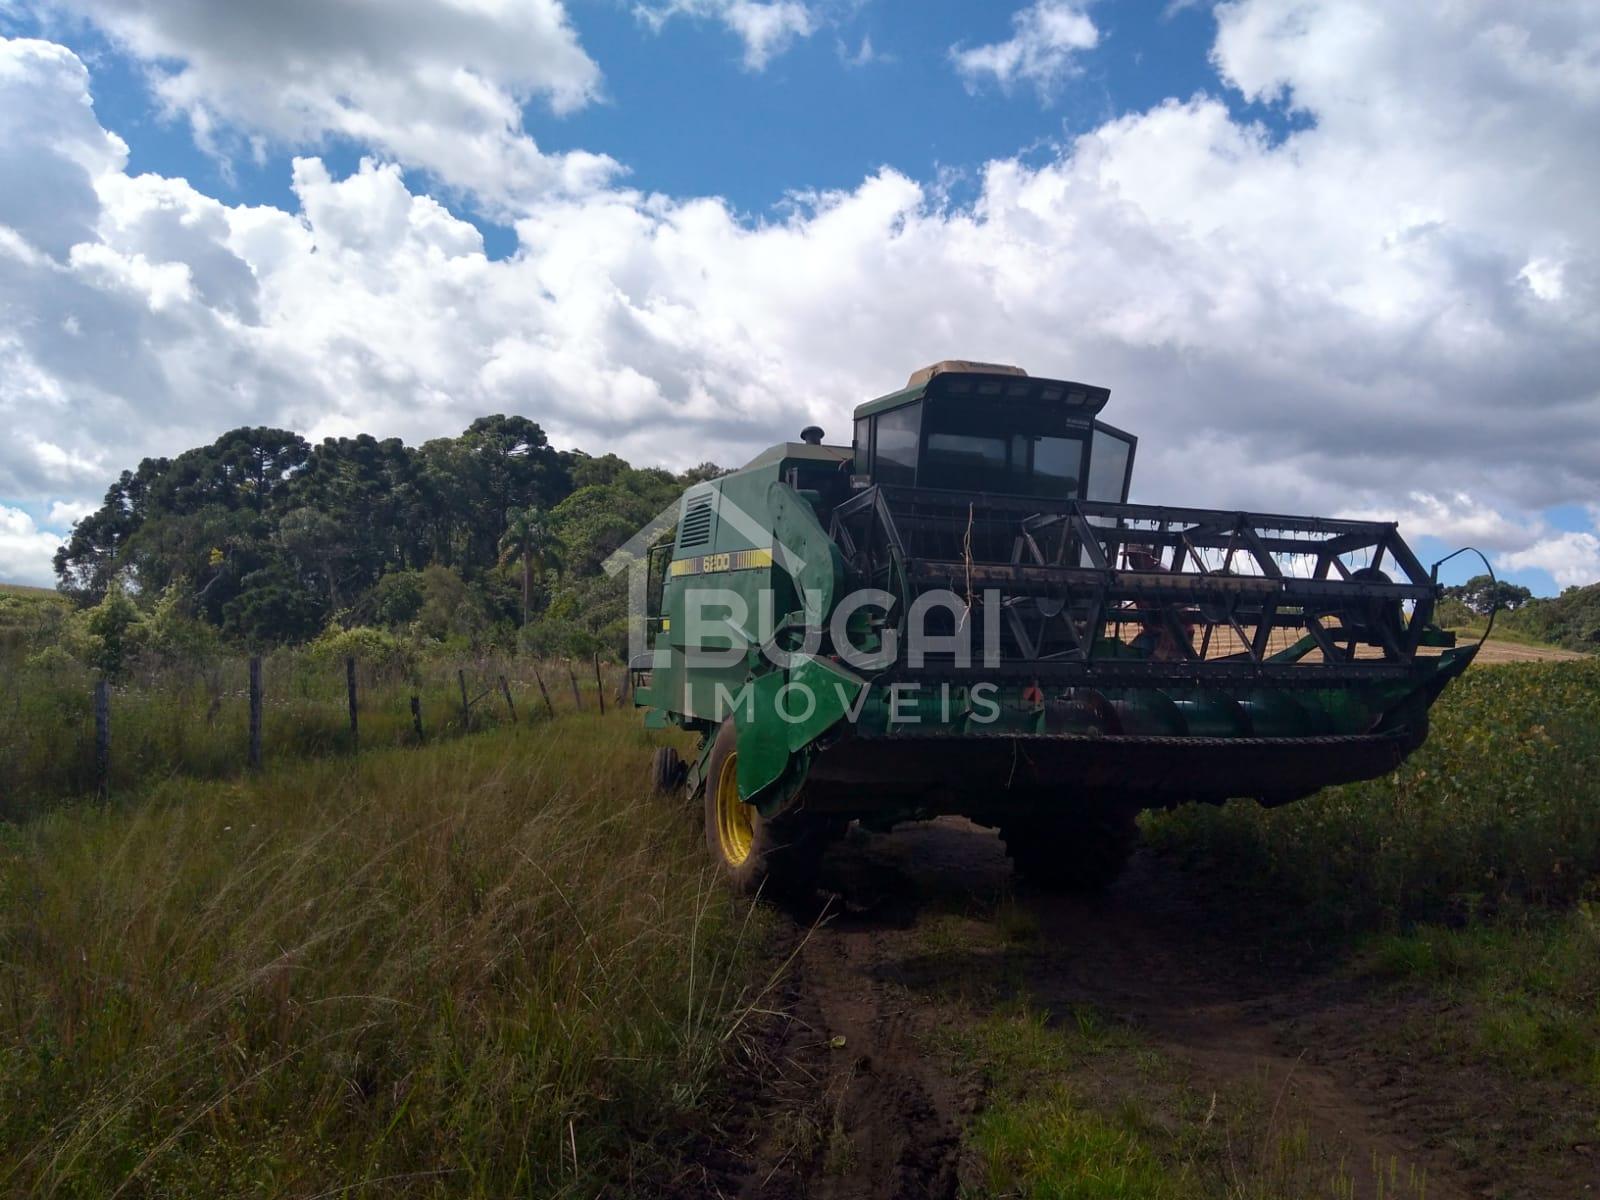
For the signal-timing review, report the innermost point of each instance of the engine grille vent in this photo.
(695, 528)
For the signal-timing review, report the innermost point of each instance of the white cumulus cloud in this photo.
(1572, 558)
(765, 27)
(1458, 519)
(66, 513)
(1339, 319)
(1042, 50)
(25, 549)
(436, 83)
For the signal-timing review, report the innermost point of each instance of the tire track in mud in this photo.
(896, 1124)
(856, 1104)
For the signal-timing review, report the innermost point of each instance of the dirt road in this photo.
(1495, 651)
(859, 1094)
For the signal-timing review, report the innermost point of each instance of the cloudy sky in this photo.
(1336, 256)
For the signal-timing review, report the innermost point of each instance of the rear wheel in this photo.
(1082, 851)
(666, 770)
(778, 856)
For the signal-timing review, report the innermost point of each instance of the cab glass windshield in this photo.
(1001, 446)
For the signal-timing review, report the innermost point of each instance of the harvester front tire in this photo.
(1082, 853)
(666, 771)
(778, 858)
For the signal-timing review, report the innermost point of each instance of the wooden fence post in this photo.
(350, 689)
(102, 737)
(599, 684)
(505, 690)
(416, 716)
(539, 679)
(255, 712)
(466, 705)
(577, 700)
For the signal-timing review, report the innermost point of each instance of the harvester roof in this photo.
(804, 451)
(983, 381)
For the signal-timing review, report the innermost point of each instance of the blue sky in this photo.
(1312, 247)
(686, 116)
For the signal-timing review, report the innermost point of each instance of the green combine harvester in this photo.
(961, 613)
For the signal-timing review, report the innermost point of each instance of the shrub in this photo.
(51, 660)
(107, 636)
(173, 637)
(397, 599)
(1500, 808)
(554, 638)
(374, 647)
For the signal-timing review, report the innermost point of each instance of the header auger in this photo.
(961, 612)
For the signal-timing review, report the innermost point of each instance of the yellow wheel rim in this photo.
(735, 832)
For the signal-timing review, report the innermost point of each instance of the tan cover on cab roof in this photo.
(960, 366)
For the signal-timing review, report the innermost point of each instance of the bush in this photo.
(1501, 808)
(30, 621)
(554, 638)
(51, 660)
(1571, 619)
(397, 599)
(1452, 613)
(107, 636)
(174, 638)
(374, 647)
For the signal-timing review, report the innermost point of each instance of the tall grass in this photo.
(192, 719)
(491, 967)
(1501, 809)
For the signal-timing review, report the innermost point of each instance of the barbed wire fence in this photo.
(71, 734)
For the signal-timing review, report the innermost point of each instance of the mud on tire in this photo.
(1082, 852)
(778, 857)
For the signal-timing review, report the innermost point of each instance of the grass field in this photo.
(489, 967)
(1513, 645)
(495, 965)
(193, 722)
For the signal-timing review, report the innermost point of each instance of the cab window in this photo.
(1111, 453)
(897, 435)
(1057, 463)
(863, 446)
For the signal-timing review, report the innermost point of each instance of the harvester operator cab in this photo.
(981, 427)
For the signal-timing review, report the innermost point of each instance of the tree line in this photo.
(492, 537)
(1571, 619)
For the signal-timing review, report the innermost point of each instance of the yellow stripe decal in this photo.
(710, 564)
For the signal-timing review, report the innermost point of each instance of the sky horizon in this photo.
(1337, 257)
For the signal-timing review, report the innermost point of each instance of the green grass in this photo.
(492, 966)
(23, 589)
(1522, 997)
(1500, 810)
(1469, 876)
(1501, 633)
(1034, 1137)
(1049, 1147)
(1078, 1108)
(193, 721)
